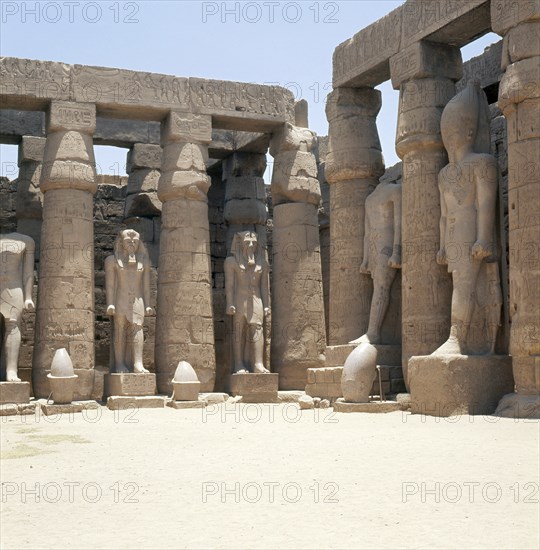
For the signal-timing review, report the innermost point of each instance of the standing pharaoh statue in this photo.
(248, 299)
(382, 252)
(127, 282)
(469, 188)
(16, 281)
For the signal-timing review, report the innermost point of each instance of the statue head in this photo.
(128, 246)
(245, 248)
(465, 120)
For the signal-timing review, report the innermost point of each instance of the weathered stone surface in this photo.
(130, 384)
(386, 354)
(119, 403)
(363, 60)
(340, 405)
(174, 404)
(213, 398)
(516, 405)
(306, 402)
(458, 384)
(506, 14)
(255, 388)
(359, 372)
(31, 84)
(290, 396)
(13, 409)
(14, 392)
(49, 409)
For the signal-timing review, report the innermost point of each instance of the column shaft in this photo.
(65, 308)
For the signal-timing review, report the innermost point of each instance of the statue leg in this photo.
(137, 345)
(256, 337)
(12, 346)
(463, 303)
(120, 323)
(239, 329)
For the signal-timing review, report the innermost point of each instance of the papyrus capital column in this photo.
(184, 326)
(519, 99)
(298, 327)
(425, 74)
(65, 308)
(353, 166)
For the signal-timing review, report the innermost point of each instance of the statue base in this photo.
(52, 409)
(340, 405)
(126, 403)
(14, 392)
(255, 388)
(130, 384)
(449, 385)
(186, 391)
(516, 405)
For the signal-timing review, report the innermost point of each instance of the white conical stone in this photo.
(185, 373)
(61, 364)
(359, 373)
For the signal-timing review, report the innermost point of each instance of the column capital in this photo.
(426, 60)
(345, 102)
(182, 126)
(244, 164)
(506, 14)
(71, 115)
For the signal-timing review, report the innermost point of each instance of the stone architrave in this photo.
(247, 288)
(353, 166)
(519, 99)
(16, 282)
(29, 203)
(127, 284)
(65, 308)
(382, 252)
(184, 323)
(298, 326)
(425, 89)
(143, 167)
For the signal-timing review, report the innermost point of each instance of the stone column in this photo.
(29, 203)
(353, 166)
(519, 99)
(184, 325)
(65, 308)
(298, 328)
(143, 168)
(425, 74)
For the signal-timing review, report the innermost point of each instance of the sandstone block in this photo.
(340, 405)
(255, 387)
(146, 402)
(458, 384)
(51, 409)
(14, 392)
(186, 404)
(13, 409)
(144, 155)
(130, 384)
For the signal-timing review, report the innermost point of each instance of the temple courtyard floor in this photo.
(268, 476)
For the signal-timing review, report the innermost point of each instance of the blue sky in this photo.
(288, 43)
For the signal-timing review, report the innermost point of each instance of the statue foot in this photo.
(260, 369)
(11, 376)
(139, 369)
(240, 370)
(366, 339)
(450, 347)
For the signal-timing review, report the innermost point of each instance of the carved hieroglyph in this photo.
(127, 282)
(184, 323)
(353, 166)
(382, 252)
(65, 308)
(469, 189)
(248, 300)
(16, 280)
(425, 89)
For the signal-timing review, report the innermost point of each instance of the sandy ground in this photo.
(268, 476)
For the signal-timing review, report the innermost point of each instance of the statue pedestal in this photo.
(130, 384)
(14, 392)
(256, 388)
(449, 385)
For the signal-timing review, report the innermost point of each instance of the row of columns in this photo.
(172, 178)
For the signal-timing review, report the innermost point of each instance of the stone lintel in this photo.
(506, 14)
(363, 60)
(426, 60)
(186, 127)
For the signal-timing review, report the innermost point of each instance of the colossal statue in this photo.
(16, 281)
(248, 300)
(468, 189)
(382, 252)
(127, 284)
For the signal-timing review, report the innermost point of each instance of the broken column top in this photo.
(31, 84)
